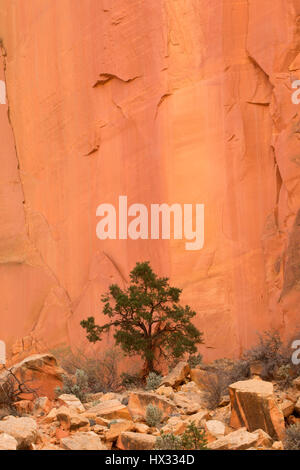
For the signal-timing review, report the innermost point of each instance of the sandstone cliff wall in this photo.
(183, 101)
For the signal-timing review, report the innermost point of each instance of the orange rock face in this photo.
(165, 102)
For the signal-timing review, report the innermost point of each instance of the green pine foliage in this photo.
(147, 319)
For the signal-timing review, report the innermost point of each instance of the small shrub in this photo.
(153, 381)
(194, 438)
(153, 415)
(101, 370)
(195, 360)
(269, 351)
(284, 376)
(12, 387)
(168, 441)
(130, 381)
(77, 385)
(292, 437)
(215, 385)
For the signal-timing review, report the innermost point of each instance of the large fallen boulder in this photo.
(7, 442)
(135, 441)
(83, 441)
(138, 402)
(253, 405)
(111, 409)
(177, 376)
(237, 440)
(71, 401)
(24, 430)
(41, 374)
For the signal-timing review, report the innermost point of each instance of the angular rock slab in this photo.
(253, 405)
(136, 441)
(138, 402)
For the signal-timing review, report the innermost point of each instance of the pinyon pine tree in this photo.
(147, 319)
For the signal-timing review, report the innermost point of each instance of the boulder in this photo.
(253, 405)
(24, 430)
(177, 376)
(83, 441)
(198, 418)
(138, 402)
(202, 378)
(141, 428)
(116, 428)
(189, 402)
(215, 428)
(297, 406)
(287, 407)
(24, 407)
(41, 374)
(42, 406)
(175, 425)
(237, 440)
(135, 441)
(168, 392)
(296, 383)
(277, 445)
(7, 442)
(70, 420)
(71, 401)
(111, 409)
(264, 440)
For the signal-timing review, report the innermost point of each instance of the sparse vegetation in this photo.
(147, 318)
(192, 439)
(195, 360)
(76, 385)
(12, 389)
(101, 370)
(168, 441)
(153, 415)
(153, 381)
(269, 351)
(292, 437)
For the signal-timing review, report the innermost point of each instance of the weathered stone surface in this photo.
(138, 402)
(296, 383)
(177, 375)
(165, 391)
(237, 440)
(41, 373)
(111, 409)
(115, 429)
(135, 441)
(71, 401)
(264, 440)
(175, 425)
(42, 406)
(83, 441)
(188, 402)
(71, 420)
(198, 418)
(7, 442)
(62, 141)
(24, 430)
(215, 428)
(287, 407)
(253, 405)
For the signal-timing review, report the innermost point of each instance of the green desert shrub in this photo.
(292, 437)
(192, 439)
(75, 385)
(153, 415)
(195, 360)
(168, 441)
(153, 381)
